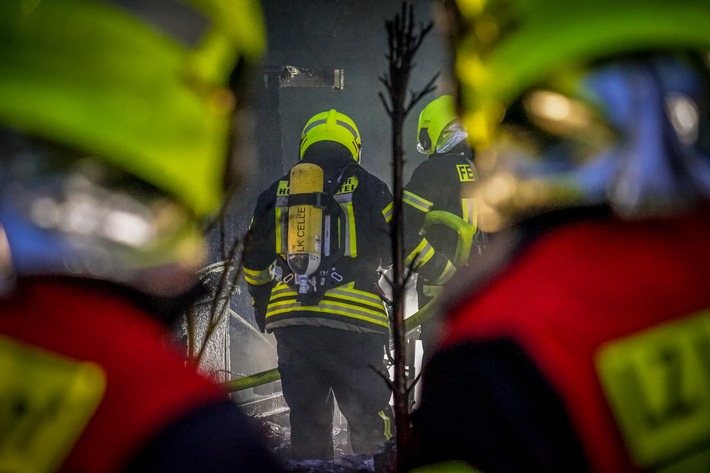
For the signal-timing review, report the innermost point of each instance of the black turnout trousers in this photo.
(317, 363)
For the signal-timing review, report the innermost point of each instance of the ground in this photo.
(277, 437)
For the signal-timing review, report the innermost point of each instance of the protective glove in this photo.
(260, 296)
(260, 318)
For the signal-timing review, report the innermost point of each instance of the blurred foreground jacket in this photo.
(116, 119)
(579, 342)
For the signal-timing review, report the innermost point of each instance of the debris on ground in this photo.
(277, 435)
(345, 464)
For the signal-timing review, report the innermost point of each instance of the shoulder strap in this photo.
(326, 276)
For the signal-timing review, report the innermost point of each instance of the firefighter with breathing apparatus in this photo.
(440, 214)
(115, 118)
(580, 340)
(317, 238)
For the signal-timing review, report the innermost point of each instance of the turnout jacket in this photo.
(91, 383)
(442, 182)
(352, 303)
(588, 351)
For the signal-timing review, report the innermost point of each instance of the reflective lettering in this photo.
(348, 186)
(45, 402)
(300, 229)
(301, 222)
(465, 173)
(658, 386)
(283, 189)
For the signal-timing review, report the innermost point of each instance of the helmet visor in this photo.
(452, 135)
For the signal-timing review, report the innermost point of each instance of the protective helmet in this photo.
(141, 84)
(331, 126)
(502, 47)
(439, 129)
(116, 123)
(604, 108)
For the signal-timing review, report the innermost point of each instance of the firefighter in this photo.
(442, 183)
(330, 325)
(114, 126)
(580, 343)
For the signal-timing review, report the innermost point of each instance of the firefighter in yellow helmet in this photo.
(115, 119)
(443, 183)
(317, 238)
(580, 341)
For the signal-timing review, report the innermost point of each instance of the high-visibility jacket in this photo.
(352, 303)
(90, 383)
(442, 182)
(589, 351)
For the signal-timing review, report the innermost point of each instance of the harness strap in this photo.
(327, 276)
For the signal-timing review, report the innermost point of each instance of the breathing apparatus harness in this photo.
(309, 266)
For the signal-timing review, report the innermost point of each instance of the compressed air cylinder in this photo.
(304, 223)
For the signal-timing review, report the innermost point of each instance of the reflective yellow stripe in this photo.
(419, 255)
(431, 290)
(351, 235)
(343, 292)
(470, 211)
(387, 212)
(277, 231)
(446, 274)
(257, 277)
(417, 202)
(283, 300)
(281, 217)
(280, 287)
(354, 295)
(387, 424)
(423, 243)
(426, 255)
(447, 467)
(285, 303)
(329, 307)
(281, 230)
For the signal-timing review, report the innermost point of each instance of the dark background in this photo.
(323, 35)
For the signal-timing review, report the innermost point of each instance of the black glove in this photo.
(260, 318)
(260, 301)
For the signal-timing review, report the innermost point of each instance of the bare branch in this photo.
(385, 104)
(404, 41)
(385, 376)
(413, 384)
(417, 96)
